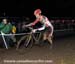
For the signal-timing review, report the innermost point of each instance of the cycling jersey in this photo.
(45, 24)
(44, 21)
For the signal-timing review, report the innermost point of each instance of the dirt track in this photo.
(63, 52)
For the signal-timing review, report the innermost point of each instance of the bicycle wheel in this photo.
(22, 38)
(27, 41)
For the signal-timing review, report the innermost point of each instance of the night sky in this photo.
(51, 8)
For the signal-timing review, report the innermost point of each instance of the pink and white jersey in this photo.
(45, 22)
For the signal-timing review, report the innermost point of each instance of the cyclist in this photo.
(47, 27)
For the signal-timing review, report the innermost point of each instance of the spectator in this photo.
(6, 28)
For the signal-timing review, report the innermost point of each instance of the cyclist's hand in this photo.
(34, 30)
(24, 26)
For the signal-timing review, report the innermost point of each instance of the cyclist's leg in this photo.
(44, 36)
(49, 37)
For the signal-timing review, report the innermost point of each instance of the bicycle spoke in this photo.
(28, 41)
(19, 42)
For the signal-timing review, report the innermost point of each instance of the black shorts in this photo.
(48, 30)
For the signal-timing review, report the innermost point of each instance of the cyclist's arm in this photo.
(36, 21)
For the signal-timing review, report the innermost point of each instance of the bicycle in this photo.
(29, 37)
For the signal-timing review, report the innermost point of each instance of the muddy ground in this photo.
(63, 52)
